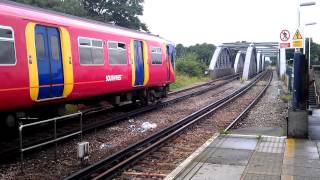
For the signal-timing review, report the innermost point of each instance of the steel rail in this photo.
(110, 166)
(128, 114)
(204, 84)
(247, 109)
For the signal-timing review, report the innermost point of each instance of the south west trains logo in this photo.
(110, 78)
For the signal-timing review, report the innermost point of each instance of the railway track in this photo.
(91, 122)
(111, 166)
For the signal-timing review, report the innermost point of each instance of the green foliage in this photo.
(183, 80)
(203, 51)
(194, 60)
(190, 65)
(315, 52)
(119, 12)
(73, 7)
(286, 98)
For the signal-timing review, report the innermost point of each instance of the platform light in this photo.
(309, 52)
(310, 24)
(311, 3)
(308, 3)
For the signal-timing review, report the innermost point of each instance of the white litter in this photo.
(146, 126)
(106, 146)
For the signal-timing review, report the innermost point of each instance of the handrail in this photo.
(55, 140)
(315, 87)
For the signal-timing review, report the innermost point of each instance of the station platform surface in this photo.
(314, 125)
(246, 155)
(252, 157)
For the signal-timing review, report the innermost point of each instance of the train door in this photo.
(49, 60)
(171, 58)
(168, 63)
(139, 64)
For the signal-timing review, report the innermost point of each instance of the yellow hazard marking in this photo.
(297, 44)
(297, 35)
(290, 148)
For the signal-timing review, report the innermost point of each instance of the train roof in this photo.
(48, 16)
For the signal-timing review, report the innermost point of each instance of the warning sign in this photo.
(284, 35)
(284, 45)
(297, 44)
(297, 35)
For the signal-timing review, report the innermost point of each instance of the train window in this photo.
(85, 55)
(112, 45)
(55, 50)
(40, 46)
(97, 56)
(156, 55)
(5, 33)
(117, 53)
(121, 46)
(91, 51)
(7, 48)
(7, 53)
(96, 43)
(84, 42)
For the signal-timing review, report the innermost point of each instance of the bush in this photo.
(190, 65)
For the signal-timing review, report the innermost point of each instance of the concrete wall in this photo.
(217, 73)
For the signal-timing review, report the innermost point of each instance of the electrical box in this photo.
(83, 150)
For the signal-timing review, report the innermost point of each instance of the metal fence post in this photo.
(81, 126)
(55, 137)
(21, 146)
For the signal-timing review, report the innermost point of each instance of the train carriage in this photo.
(48, 58)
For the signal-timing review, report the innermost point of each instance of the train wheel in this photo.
(9, 126)
(11, 121)
(152, 96)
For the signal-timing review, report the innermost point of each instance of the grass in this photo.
(286, 98)
(224, 132)
(185, 80)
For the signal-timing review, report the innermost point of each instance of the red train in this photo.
(51, 58)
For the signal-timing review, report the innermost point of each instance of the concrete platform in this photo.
(314, 125)
(246, 157)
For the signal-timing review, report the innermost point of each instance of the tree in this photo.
(119, 12)
(180, 50)
(204, 52)
(73, 7)
(189, 64)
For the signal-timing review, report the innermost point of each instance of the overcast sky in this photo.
(217, 21)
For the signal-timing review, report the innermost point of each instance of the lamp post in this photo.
(312, 3)
(309, 51)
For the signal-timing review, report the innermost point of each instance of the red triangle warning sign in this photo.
(297, 35)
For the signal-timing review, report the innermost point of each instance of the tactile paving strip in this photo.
(265, 163)
(260, 177)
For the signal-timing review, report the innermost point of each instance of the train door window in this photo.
(91, 51)
(55, 49)
(117, 53)
(7, 48)
(40, 46)
(156, 55)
